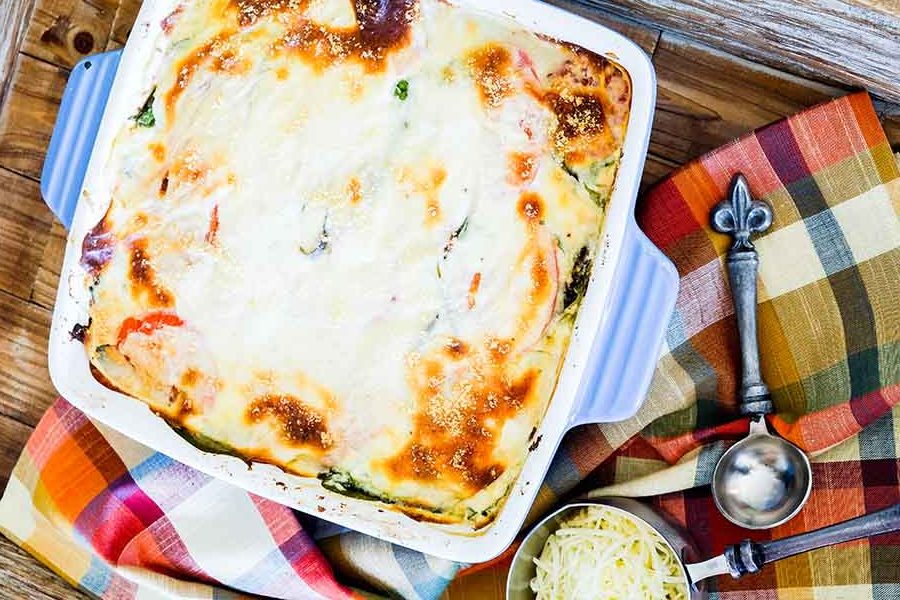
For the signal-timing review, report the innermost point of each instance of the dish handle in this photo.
(625, 352)
(72, 141)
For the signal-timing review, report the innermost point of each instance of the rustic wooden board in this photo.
(47, 277)
(63, 32)
(24, 229)
(706, 98)
(13, 24)
(26, 579)
(25, 388)
(655, 168)
(126, 13)
(889, 113)
(13, 434)
(29, 113)
(846, 41)
(643, 35)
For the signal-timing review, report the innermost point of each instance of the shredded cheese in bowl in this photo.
(600, 553)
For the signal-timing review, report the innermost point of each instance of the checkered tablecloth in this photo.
(123, 521)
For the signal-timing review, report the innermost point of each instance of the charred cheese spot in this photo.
(213, 231)
(164, 184)
(230, 61)
(540, 279)
(456, 430)
(580, 120)
(522, 167)
(498, 348)
(432, 194)
(473, 290)
(590, 96)
(189, 168)
(383, 27)
(299, 424)
(456, 348)
(190, 377)
(491, 69)
(144, 287)
(428, 185)
(98, 246)
(354, 190)
(179, 403)
(251, 11)
(530, 207)
(158, 151)
(218, 49)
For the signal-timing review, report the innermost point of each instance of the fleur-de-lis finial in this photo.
(741, 215)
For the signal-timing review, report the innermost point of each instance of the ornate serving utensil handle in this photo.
(740, 216)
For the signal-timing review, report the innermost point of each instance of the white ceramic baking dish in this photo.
(606, 372)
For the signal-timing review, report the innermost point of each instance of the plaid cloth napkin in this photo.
(122, 521)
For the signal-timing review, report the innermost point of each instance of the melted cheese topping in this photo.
(350, 239)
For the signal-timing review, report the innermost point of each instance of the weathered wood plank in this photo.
(65, 31)
(24, 231)
(126, 13)
(25, 388)
(26, 579)
(643, 35)
(655, 169)
(28, 116)
(14, 18)
(889, 113)
(707, 97)
(13, 436)
(853, 42)
(47, 277)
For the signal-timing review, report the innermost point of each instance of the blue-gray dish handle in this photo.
(625, 351)
(76, 128)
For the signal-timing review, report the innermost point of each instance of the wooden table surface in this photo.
(724, 67)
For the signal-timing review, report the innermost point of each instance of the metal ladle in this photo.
(763, 480)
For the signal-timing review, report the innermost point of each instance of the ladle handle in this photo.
(750, 557)
(741, 216)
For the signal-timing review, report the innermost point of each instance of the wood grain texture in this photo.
(707, 98)
(643, 35)
(63, 32)
(14, 18)
(655, 168)
(889, 114)
(26, 579)
(126, 13)
(13, 435)
(28, 116)
(25, 388)
(848, 41)
(24, 231)
(46, 280)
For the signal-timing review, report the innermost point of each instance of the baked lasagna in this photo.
(350, 238)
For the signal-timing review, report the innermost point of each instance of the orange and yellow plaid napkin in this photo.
(122, 521)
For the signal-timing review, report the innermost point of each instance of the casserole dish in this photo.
(583, 393)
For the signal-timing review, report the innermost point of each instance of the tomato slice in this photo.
(148, 324)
